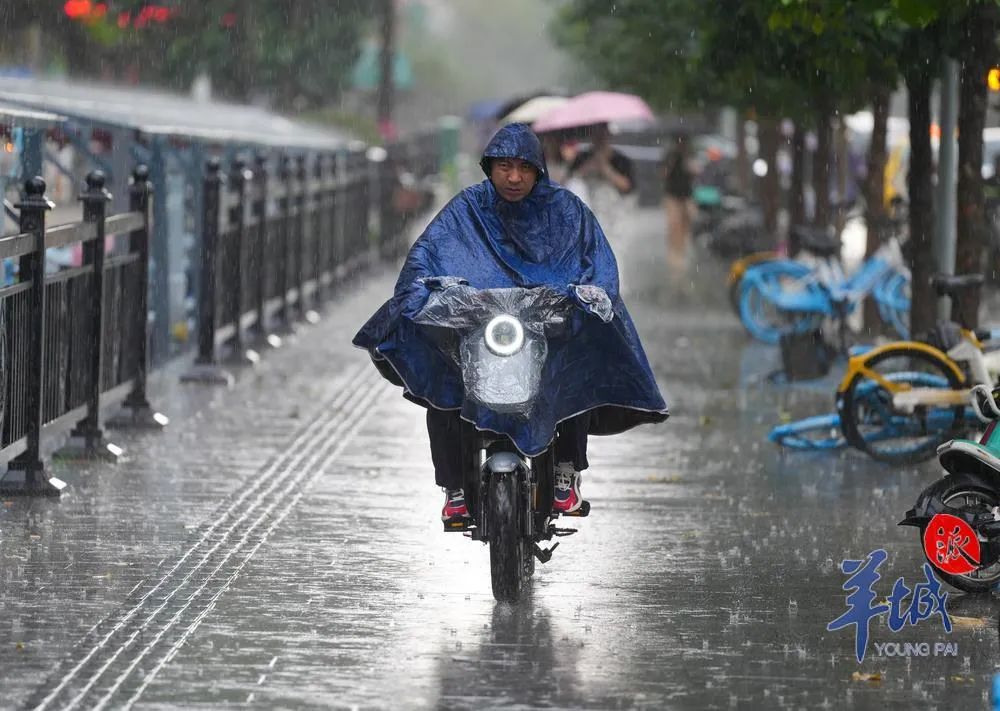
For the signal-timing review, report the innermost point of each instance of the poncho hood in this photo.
(516, 140)
(549, 238)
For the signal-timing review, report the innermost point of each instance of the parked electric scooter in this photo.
(958, 516)
(499, 340)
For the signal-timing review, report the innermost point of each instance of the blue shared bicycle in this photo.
(782, 294)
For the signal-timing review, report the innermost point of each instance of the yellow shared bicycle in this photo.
(900, 401)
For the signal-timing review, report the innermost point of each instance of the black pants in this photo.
(445, 430)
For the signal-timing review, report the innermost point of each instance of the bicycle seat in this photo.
(815, 240)
(951, 284)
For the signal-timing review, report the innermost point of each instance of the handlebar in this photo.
(984, 403)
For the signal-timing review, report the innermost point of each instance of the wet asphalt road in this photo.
(280, 547)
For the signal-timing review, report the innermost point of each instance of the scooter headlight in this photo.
(504, 335)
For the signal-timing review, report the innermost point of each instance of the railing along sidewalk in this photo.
(76, 339)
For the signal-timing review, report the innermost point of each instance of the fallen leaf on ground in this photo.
(874, 677)
(671, 479)
(968, 623)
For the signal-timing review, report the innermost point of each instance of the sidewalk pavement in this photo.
(278, 545)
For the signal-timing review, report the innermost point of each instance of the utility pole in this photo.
(945, 234)
(386, 86)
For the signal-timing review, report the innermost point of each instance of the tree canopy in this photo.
(296, 53)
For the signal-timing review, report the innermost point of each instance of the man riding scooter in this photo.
(518, 229)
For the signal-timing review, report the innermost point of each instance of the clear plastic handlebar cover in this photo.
(502, 381)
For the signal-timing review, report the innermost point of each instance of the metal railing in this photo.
(73, 338)
(275, 241)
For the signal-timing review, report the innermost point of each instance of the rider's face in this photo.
(513, 178)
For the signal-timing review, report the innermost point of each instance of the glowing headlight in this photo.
(504, 335)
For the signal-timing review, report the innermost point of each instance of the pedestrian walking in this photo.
(678, 189)
(602, 177)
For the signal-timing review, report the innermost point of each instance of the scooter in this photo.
(958, 516)
(499, 340)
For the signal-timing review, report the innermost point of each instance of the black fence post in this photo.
(320, 222)
(332, 221)
(206, 368)
(86, 439)
(26, 473)
(261, 253)
(284, 242)
(137, 413)
(301, 208)
(239, 176)
(340, 247)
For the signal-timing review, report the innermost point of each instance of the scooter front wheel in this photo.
(508, 548)
(961, 493)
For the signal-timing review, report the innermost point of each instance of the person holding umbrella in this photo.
(600, 176)
(601, 161)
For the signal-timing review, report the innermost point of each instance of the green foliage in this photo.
(298, 53)
(648, 46)
(778, 56)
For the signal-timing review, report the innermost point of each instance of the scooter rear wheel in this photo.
(969, 495)
(508, 549)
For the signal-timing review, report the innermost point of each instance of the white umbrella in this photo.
(533, 109)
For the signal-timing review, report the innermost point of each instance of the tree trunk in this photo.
(875, 213)
(796, 192)
(843, 171)
(821, 165)
(770, 188)
(386, 78)
(918, 185)
(980, 31)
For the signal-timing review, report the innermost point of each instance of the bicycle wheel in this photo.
(819, 433)
(760, 316)
(739, 268)
(873, 424)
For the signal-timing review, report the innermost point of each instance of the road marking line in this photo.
(308, 444)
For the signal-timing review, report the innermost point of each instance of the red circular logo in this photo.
(951, 545)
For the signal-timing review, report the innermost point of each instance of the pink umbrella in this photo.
(594, 107)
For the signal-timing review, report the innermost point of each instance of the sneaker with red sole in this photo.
(454, 506)
(567, 498)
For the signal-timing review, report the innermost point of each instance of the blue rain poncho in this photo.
(549, 238)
